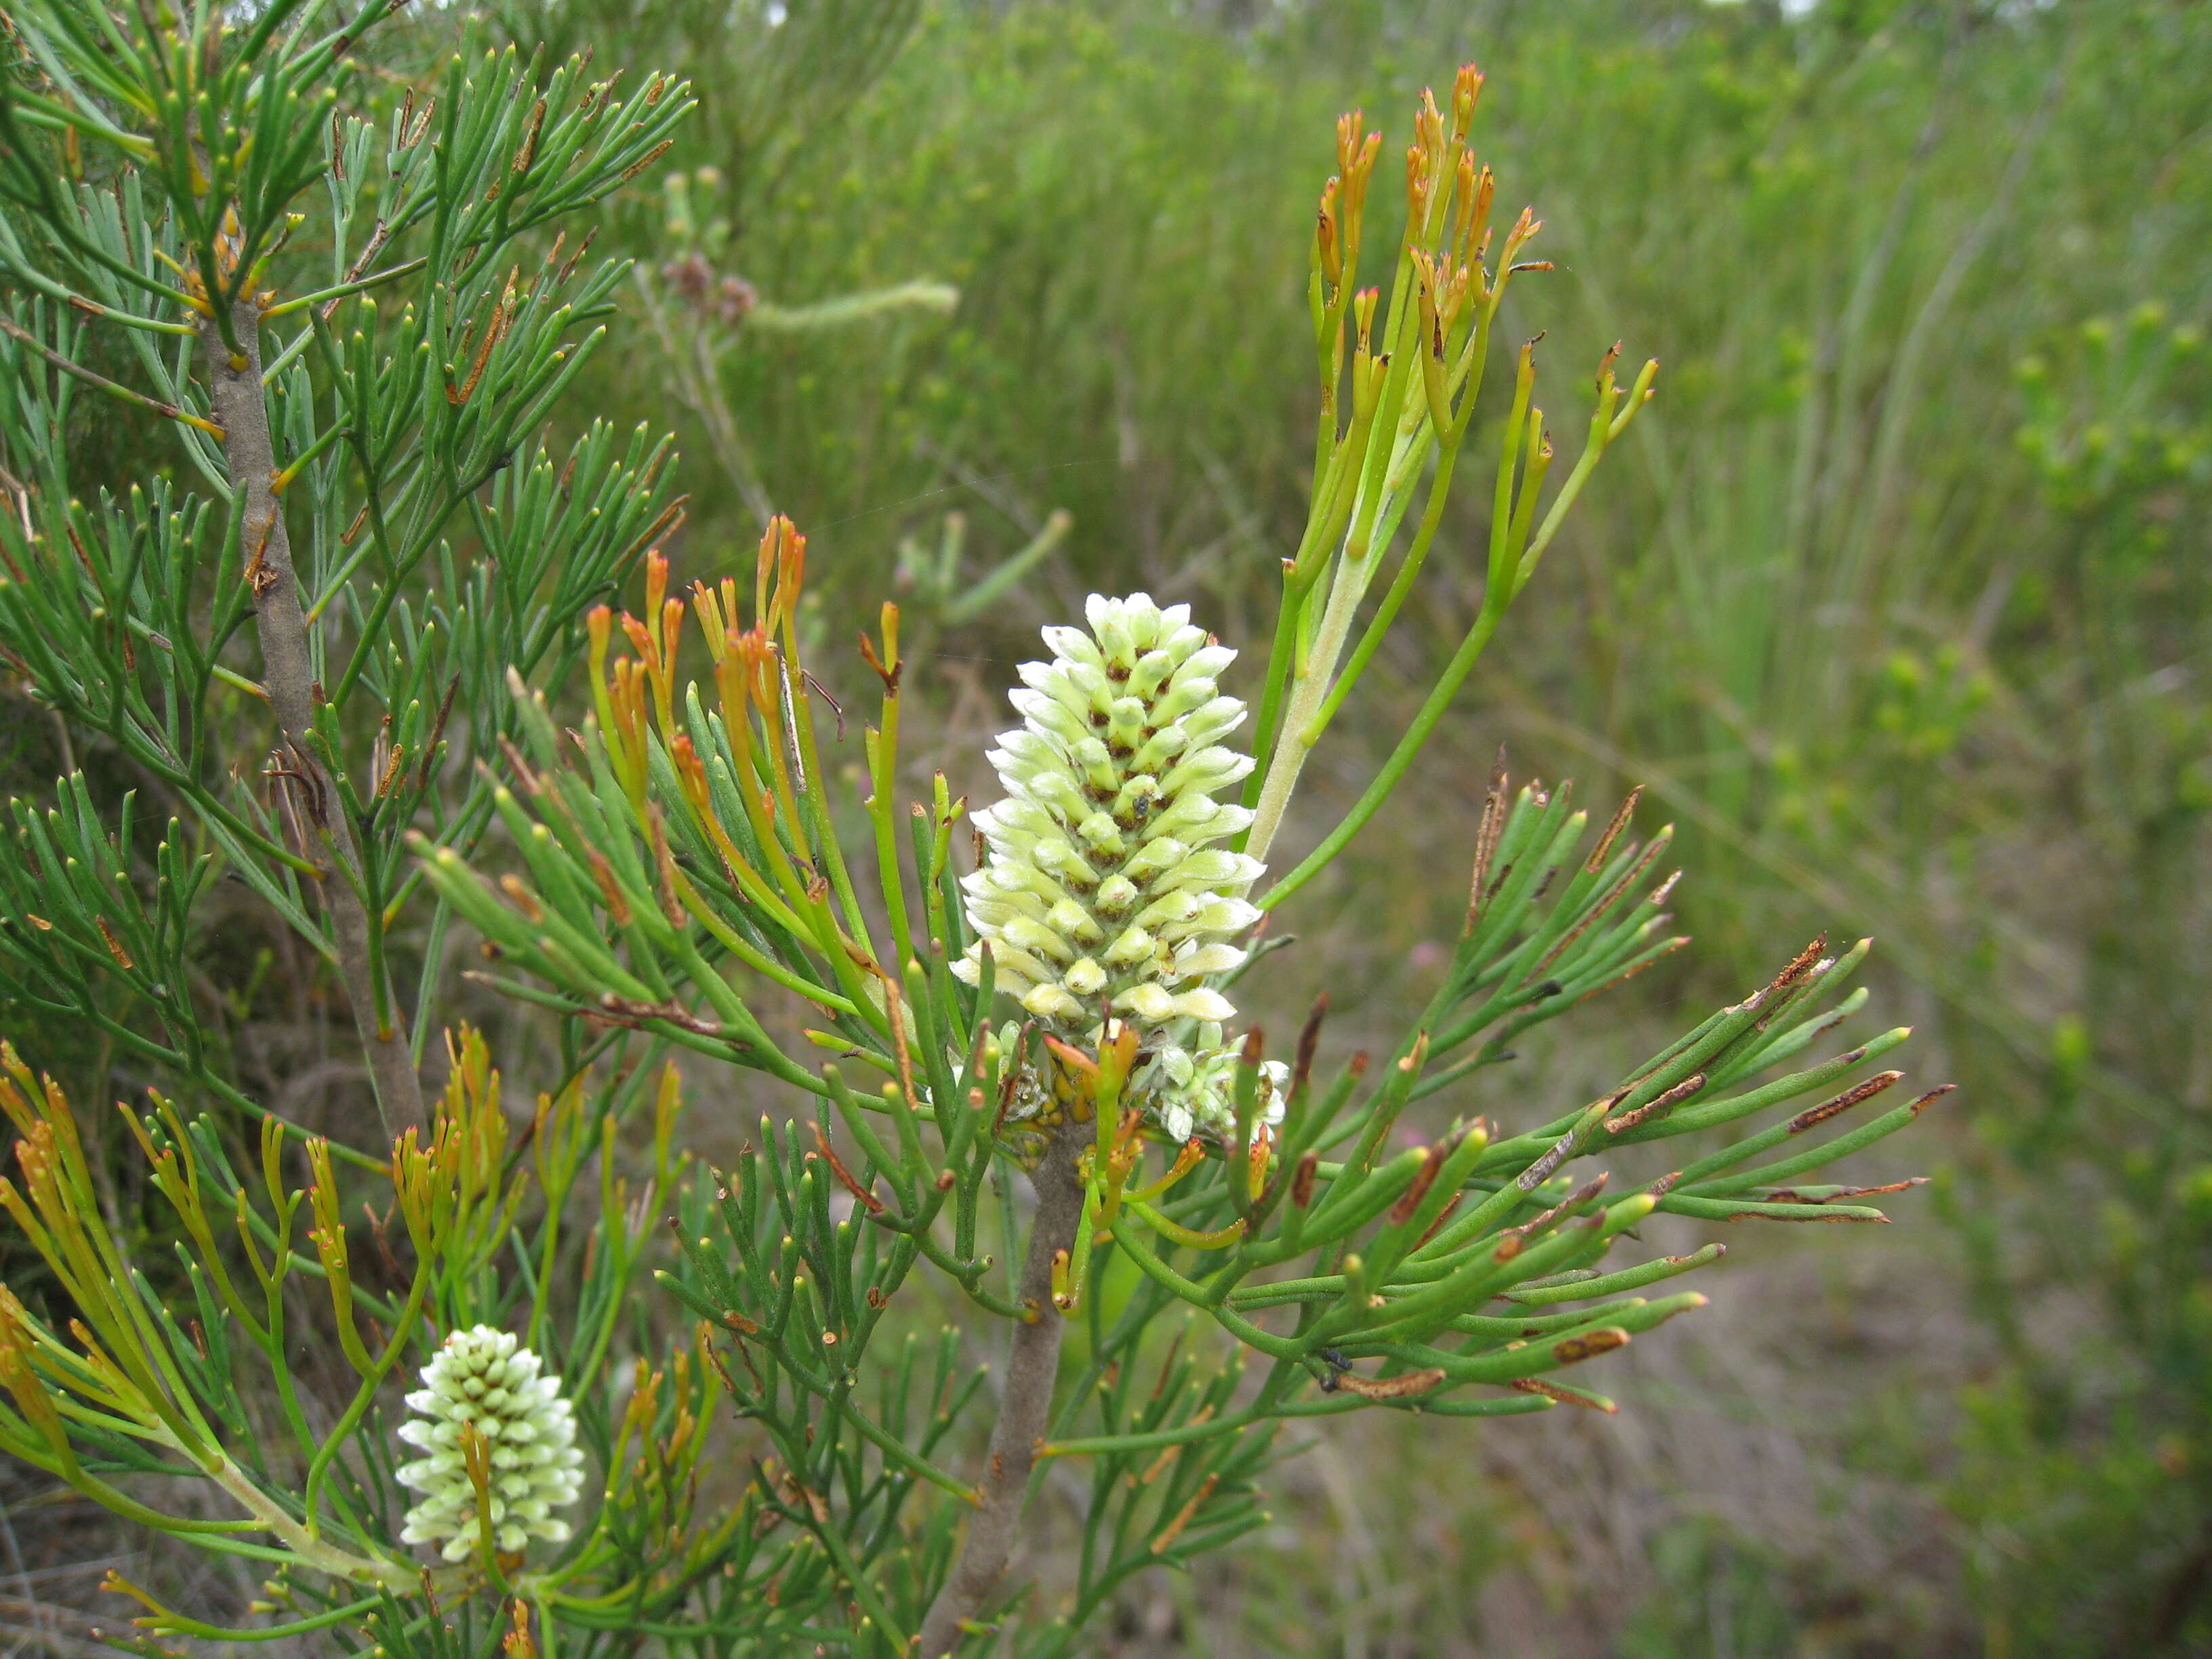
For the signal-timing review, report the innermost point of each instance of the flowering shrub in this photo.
(797, 1471)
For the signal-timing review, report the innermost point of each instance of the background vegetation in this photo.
(1897, 601)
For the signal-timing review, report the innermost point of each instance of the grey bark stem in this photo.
(241, 409)
(1024, 1406)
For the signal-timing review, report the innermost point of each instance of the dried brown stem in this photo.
(1025, 1408)
(288, 670)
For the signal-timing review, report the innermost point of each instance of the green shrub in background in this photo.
(325, 640)
(2104, 1462)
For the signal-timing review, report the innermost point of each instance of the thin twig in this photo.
(236, 395)
(168, 411)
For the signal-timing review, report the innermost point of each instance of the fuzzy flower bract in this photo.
(483, 1377)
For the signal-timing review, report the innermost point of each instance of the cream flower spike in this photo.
(483, 1376)
(1103, 891)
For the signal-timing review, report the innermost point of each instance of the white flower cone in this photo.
(1104, 892)
(482, 1376)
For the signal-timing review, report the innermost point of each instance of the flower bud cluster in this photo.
(1196, 1087)
(1104, 891)
(481, 1377)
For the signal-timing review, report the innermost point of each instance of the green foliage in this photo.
(361, 578)
(138, 1395)
(122, 613)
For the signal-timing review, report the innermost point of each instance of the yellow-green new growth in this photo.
(529, 1466)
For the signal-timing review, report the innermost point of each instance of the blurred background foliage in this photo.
(1898, 602)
